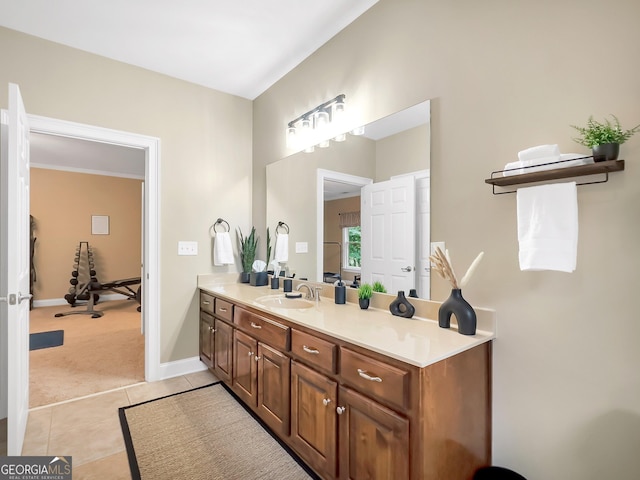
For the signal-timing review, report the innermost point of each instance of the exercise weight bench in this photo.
(92, 289)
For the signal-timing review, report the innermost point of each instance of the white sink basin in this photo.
(280, 301)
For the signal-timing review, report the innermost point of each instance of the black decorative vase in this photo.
(401, 307)
(244, 277)
(458, 306)
(606, 151)
(364, 303)
(413, 293)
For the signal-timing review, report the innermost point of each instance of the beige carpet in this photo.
(98, 354)
(202, 434)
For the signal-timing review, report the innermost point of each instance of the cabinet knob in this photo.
(340, 410)
(251, 354)
(326, 401)
(211, 329)
(258, 358)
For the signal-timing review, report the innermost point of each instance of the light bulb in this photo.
(358, 131)
(340, 138)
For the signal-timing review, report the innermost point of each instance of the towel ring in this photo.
(222, 222)
(283, 225)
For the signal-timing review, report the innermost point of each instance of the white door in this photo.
(15, 254)
(423, 224)
(388, 232)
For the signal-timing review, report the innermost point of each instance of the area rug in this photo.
(204, 433)
(41, 340)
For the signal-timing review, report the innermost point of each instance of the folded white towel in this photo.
(566, 159)
(541, 151)
(281, 248)
(548, 227)
(222, 249)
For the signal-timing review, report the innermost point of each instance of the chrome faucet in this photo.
(308, 296)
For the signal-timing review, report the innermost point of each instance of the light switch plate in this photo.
(187, 248)
(302, 247)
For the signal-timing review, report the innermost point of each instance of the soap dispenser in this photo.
(340, 293)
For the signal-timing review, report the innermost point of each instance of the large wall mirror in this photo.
(318, 195)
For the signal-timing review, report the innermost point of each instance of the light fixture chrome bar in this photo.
(339, 99)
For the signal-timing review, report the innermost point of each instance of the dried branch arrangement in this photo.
(443, 266)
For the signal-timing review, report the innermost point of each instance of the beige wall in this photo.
(62, 204)
(504, 76)
(404, 152)
(205, 157)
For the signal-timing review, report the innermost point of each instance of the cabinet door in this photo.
(206, 336)
(245, 378)
(274, 376)
(222, 351)
(374, 440)
(313, 418)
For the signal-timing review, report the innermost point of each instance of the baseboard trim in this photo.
(181, 367)
(52, 302)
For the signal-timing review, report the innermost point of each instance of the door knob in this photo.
(406, 269)
(22, 297)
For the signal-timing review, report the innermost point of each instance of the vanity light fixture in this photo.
(317, 126)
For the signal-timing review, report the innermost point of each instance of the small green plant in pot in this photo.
(247, 247)
(379, 287)
(604, 138)
(365, 291)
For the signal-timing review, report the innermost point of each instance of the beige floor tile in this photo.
(199, 379)
(149, 391)
(87, 442)
(86, 411)
(113, 467)
(36, 438)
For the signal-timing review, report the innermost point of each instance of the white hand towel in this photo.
(548, 227)
(546, 163)
(540, 151)
(281, 248)
(222, 249)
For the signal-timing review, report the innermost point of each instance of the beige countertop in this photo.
(417, 341)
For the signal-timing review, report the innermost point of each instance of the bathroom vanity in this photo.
(355, 393)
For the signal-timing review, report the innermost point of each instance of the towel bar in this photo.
(222, 222)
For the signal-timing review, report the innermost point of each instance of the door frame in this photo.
(151, 216)
(323, 175)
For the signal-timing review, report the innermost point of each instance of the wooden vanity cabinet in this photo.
(314, 427)
(261, 376)
(206, 339)
(351, 413)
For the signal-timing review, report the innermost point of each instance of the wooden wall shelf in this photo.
(556, 173)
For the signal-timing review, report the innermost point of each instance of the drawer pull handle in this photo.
(255, 325)
(313, 351)
(223, 309)
(206, 302)
(326, 401)
(340, 410)
(366, 376)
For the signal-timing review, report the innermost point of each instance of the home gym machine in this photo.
(88, 290)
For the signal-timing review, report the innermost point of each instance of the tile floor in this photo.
(89, 430)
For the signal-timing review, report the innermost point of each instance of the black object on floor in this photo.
(497, 473)
(54, 338)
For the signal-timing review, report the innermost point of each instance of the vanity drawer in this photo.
(224, 310)
(314, 351)
(206, 302)
(269, 331)
(375, 378)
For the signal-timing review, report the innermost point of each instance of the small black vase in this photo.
(364, 303)
(606, 151)
(244, 277)
(401, 307)
(458, 306)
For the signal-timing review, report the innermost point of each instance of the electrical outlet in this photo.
(439, 245)
(187, 248)
(302, 247)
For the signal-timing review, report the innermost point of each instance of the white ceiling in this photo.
(241, 47)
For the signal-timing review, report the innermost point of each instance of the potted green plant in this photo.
(604, 138)
(379, 287)
(365, 291)
(247, 248)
